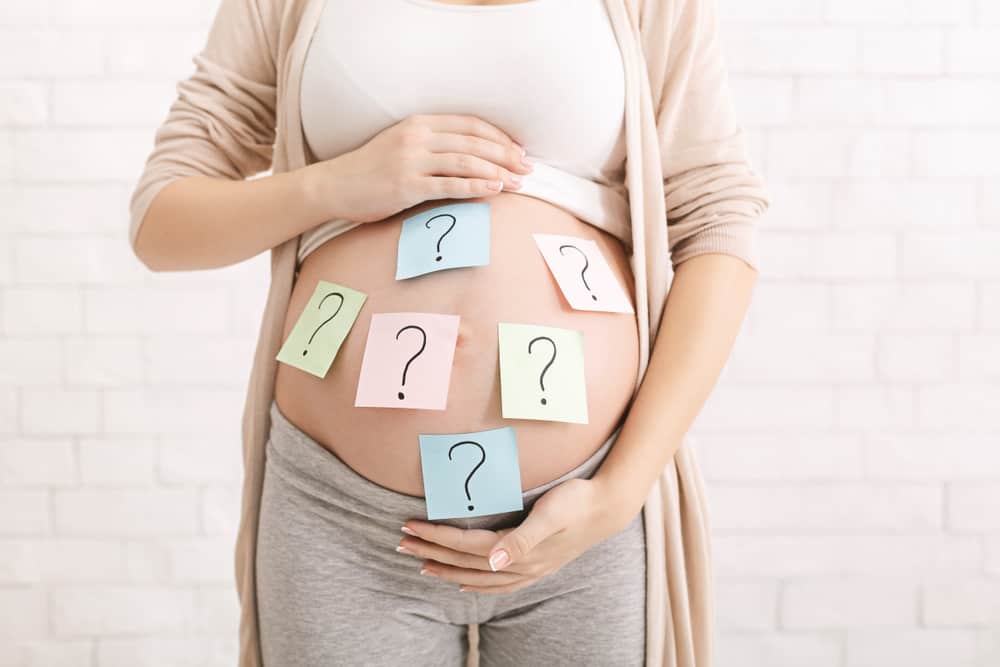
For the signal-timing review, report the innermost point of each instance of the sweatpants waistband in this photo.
(319, 472)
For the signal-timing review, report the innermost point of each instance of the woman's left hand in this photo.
(563, 523)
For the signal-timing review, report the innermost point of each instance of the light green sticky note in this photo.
(322, 327)
(541, 373)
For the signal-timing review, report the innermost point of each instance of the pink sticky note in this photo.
(583, 274)
(407, 362)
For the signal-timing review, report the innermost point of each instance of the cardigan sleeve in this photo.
(222, 120)
(713, 195)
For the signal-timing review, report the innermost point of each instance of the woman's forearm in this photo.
(704, 310)
(200, 222)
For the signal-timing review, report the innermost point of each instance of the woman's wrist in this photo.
(619, 502)
(627, 475)
(318, 186)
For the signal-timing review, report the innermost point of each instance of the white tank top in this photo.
(547, 72)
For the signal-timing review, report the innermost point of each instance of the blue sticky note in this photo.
(471, 474)
(445, 237)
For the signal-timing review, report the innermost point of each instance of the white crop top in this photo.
(547, 72)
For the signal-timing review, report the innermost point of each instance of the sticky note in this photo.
(583, 274)
(407, 362)
(445, 237)
(542, 373)
(321, 328)
(471, 474)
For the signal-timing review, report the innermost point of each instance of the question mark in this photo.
(320, 306)
(481, 462)
(541, 378)
(586, 264)
(428, 226)
(419, 352)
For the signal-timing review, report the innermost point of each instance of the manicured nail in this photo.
(427, 573)
(515, 179)
(463, 589)
(524, 151)
(408, 531)
(498, 560)
(529, 161)
(403, 550)
(495, 185)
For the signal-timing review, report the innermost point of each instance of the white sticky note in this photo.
(583, 274)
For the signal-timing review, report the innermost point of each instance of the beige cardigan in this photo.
(687, 175)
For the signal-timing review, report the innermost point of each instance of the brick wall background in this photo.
(852, 447)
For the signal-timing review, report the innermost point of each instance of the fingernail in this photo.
(426, 572)
(515, 179)
(403, 550)
(529, 161)
(524, 151)
(498, 560)
(495, 185)
(408, 531)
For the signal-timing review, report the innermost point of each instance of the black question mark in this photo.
(541, 378)
(481, 462)
(428, 226)
(586, 264)
(320, 306)
(419, 352)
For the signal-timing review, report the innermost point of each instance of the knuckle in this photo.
(531, 570)
(519, 544)
(460, 542)
(404, 185)
(470, 145)
(421, 186)
(479, 126)
(410, 137)
(513, 154)
(442, 188)
(457, 186)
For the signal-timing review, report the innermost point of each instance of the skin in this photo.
(707, 302)
(516, 286)
(193, 224)
(200, 222)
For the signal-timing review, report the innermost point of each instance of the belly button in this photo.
(464, 335)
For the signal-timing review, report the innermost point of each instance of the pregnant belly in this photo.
(381, 443)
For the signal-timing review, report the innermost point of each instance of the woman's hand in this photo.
(563, 523)
(422, 157)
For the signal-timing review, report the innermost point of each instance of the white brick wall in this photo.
(852, 447)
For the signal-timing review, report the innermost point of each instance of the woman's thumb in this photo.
(516, 544)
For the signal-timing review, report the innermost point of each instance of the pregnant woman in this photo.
(601, 119)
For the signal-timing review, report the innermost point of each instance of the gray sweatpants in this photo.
(333, 591)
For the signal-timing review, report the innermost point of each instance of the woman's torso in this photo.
(361, 85)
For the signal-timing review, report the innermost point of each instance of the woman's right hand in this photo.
(422, 157)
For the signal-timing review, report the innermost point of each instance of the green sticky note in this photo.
(322, 327)
(541, 373)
